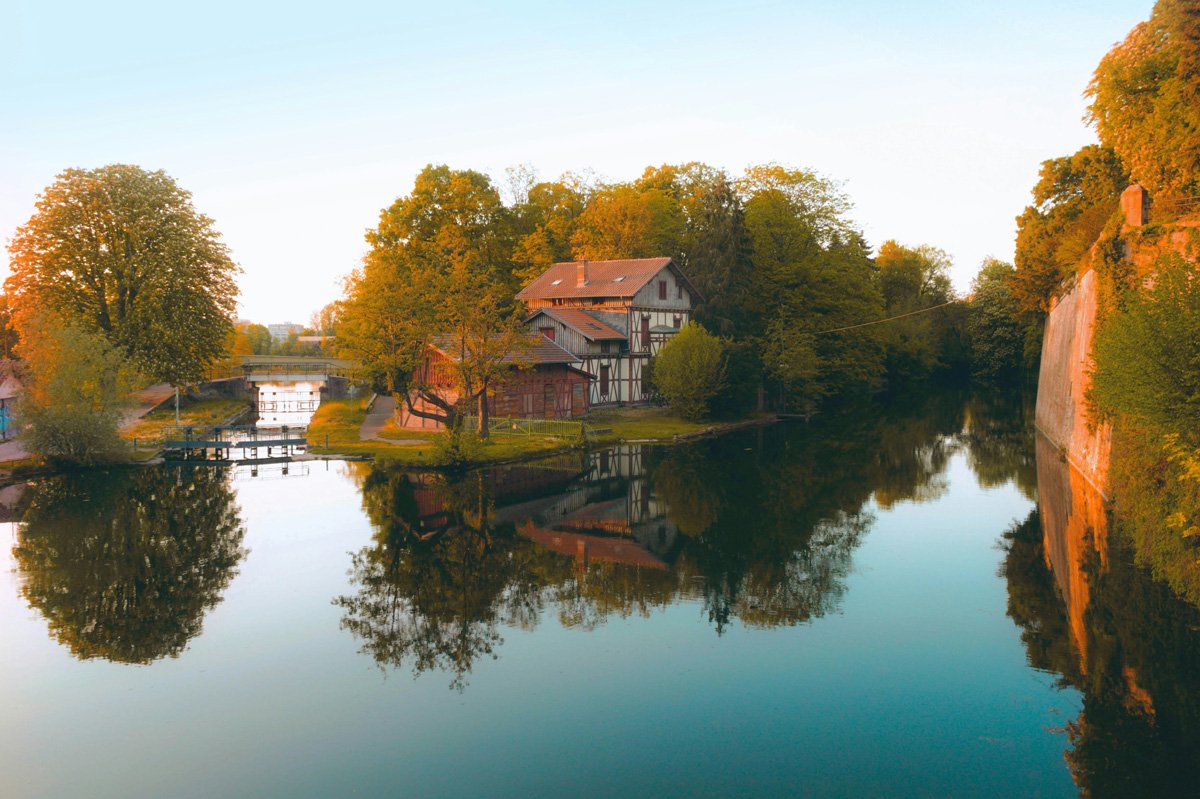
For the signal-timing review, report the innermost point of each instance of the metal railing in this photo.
(554, 428)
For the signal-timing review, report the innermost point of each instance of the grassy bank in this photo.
(334, 430)
(198, 413)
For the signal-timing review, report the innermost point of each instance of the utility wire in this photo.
(890, 318)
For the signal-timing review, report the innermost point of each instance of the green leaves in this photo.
(122, 251)
(690, 370)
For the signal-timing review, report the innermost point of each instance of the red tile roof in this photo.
(604, 279)
(588, 326)
(541, 350)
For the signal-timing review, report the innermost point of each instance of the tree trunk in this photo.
(483, 412)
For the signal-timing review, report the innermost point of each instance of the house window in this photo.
(646, 331)
(604, 345)
(662, 289)
(604, 381)
(677, 321)
(548, 332)
(679, 292)
(578, 407)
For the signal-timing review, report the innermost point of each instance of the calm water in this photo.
(866, 606)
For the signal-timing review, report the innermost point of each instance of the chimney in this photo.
(581, 273)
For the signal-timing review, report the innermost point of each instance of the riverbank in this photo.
(341, 428)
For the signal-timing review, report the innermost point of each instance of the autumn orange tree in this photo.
(437, 274)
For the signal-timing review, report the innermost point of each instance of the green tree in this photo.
(1145, 100)
(123, 251)
(437, 273)
(690, 370)
(913, 279)
(621, 221)
(545, 217)
(76, 383)
(997, 336)
(714, 250)
(1147, 357)
(1072, 200)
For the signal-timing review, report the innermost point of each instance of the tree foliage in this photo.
(123, 251)
(997, 335)
(689, 371)
(1145, 100)
(437, 274)
(76, 383)
(1147, 357)
(913, 279)
(1073, 199)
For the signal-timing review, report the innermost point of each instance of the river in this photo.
(866, 605)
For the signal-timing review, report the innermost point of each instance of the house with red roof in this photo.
(613, 316)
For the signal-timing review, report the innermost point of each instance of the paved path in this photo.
(377, 418)
(145, 401)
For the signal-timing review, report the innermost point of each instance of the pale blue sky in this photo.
(294, 124)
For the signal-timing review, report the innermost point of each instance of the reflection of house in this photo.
(611, 513)
(613, 316)
(552, 387)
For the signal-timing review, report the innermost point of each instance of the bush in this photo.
(689, 371)
(457, 447)
(76, 384)
(1148, 355)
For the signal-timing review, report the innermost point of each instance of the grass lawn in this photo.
(635, 424)
(197, 413)
(340, 421)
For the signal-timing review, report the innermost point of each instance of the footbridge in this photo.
(285, 369)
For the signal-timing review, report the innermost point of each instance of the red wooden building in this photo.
(547, 384)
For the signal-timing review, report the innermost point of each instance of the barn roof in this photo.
(589, 326)
(622, 278)
(541, 351)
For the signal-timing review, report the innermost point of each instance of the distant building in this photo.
(613, 316)
(281, 331)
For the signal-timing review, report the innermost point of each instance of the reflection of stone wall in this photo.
(1075, 525)
(1064, 379)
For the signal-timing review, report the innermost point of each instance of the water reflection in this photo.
(124, 565)
(1089, 614)
(758, 528)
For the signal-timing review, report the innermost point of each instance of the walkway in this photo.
(145, 401)
(377, 418)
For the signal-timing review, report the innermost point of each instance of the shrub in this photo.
(689, 371)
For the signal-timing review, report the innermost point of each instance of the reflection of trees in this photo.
(769, 518)
(429, 597)
(1139, 729)
(999, 435)
(124, 564)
